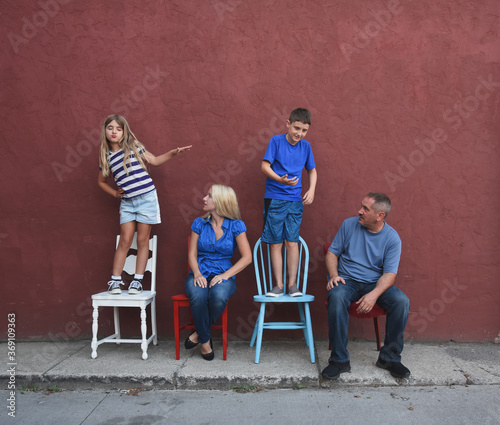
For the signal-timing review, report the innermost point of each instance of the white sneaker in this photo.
(275, 292)
(294, 292)
(114, 287)
(135, 287)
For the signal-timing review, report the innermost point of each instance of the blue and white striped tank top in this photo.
(137, 182)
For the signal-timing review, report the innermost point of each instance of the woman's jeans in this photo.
(393, 300)
(208, 304)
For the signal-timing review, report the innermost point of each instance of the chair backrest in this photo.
(263, 269)
(131, 260)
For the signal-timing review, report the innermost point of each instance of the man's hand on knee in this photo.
(366, 303)
(334, 281)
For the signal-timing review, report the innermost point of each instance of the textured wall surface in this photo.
(404, 96)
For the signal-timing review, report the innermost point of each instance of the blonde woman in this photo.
(211, 281)
(123, 156)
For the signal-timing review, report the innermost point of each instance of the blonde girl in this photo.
(124, 157)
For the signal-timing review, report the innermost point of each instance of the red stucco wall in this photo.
(404, 97)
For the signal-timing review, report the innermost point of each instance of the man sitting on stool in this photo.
(362, 263)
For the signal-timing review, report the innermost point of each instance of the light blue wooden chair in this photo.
(264, 277)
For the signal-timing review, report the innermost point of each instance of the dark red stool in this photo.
(182, 300)
(373, 314)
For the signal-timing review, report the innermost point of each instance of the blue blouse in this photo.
(214, 256)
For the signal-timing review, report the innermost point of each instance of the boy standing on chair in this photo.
(285, 158)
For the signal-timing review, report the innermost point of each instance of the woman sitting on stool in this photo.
(211, 281)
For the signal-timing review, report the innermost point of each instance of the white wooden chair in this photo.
(142, 300)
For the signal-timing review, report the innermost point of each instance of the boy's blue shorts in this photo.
(281, 220)
(143, 209)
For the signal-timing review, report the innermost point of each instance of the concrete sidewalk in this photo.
(283, 364)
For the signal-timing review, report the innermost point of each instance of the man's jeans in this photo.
(208, 304)
(393, 300)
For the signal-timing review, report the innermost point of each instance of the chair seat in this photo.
(107, 299)
(180, 297)
(375, 312)
(283, 299)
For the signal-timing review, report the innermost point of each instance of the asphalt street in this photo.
(441, 405)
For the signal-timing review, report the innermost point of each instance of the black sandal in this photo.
(188, 344)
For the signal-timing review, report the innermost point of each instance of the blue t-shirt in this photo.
(286, 158)
(214, 256)
(364, 256)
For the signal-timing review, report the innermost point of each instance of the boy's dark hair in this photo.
(300, 114)
(382, 202)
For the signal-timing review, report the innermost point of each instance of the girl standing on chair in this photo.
(211, 281)
(122, 155)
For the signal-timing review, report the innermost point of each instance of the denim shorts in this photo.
(281, 220)
(142, 209)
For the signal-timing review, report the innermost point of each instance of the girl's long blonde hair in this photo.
(225, 202)
(129, 144)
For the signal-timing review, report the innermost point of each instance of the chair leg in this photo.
(309, 332)
(224, 334)
(176, 330)
(95, 326)
(377, 332)
(303, 320)
(153, 322)
(144, 330)
(254, 333)
(260, 330)
(116, 315)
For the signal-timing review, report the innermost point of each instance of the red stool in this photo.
(373, 314)
(182, 300)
